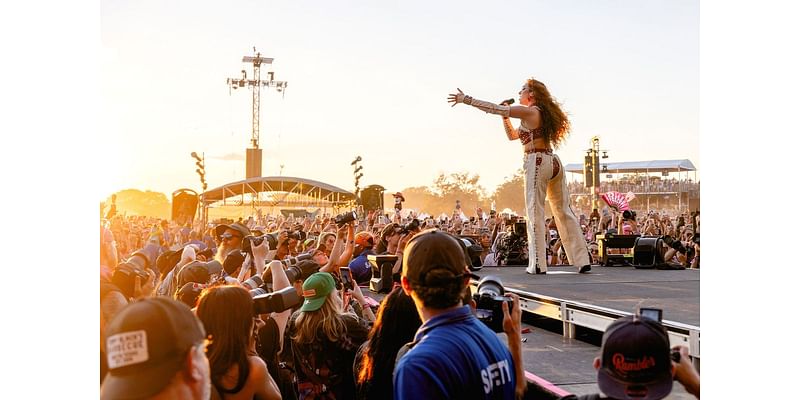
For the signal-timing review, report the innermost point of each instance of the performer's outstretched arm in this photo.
(500, 109)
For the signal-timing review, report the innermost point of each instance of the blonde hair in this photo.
(327, 320)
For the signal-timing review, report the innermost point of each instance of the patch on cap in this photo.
(127, 348)
(309, 293)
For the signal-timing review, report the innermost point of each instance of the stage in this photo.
(619, 288)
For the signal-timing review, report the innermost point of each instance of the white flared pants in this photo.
(540, 183)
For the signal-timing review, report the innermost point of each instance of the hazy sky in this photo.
(371, 78)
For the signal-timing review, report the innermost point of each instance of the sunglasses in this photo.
(228, 236)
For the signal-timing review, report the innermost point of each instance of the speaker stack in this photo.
(184, 206)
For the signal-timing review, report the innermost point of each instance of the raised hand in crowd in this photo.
(143, 290)
(512, 326)
(338, 249)
(366, 311)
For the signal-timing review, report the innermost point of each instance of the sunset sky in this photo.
(372, 78)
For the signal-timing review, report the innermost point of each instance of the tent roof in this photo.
(278, 184)
(639, 166)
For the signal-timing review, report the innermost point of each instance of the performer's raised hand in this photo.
(456, 98)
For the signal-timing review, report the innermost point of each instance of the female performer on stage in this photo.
(542, 126)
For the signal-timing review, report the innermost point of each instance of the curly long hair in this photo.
(555, 124)
(227, 315)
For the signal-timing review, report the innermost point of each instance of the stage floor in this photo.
(618, 288)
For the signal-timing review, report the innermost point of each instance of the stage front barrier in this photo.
(572, 314)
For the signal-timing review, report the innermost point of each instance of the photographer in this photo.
(270, 337)
(360, 267)
(680, 252)
(236, 371)
(324, 340)
(227, 312)
(406, 232)
(627, 223)
(435, 275)
(389, 237)
(342, 249)
(626, 342)
(131, 280)
(287, 242)
(230, 238)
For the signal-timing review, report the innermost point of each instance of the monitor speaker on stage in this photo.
(647, 252)
(382, 265)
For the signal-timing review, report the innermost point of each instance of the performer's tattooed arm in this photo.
(511, 132)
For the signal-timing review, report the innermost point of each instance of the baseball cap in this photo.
(198, 271)
(431, 250)
(364, 240)
(316, 289)
(189, 293)
(146, 344)
(635, 360)
(243, 230)
(389, 228)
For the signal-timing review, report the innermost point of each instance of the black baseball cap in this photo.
(243, 230)
(146, 344)
(430, 250)
(635, 360)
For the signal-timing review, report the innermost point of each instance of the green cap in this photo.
(316, 289)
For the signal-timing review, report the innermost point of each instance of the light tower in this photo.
(253, 159)
(591, 169)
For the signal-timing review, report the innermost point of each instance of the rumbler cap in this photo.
(146, 344)
(635, 363)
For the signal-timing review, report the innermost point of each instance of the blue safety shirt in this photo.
(455, 356)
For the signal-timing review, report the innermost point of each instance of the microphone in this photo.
(508, 102)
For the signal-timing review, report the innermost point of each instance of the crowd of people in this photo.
(272, 307)
(639, 185)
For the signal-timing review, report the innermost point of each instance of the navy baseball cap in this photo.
(635, 360)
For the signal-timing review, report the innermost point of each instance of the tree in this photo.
(511, 193)
(137, 202)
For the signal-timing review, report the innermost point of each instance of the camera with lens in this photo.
(472, 253)
(207, 253)
(409, 227)
(125, 274)
(489, 299)
(297, 268)
(678, 245)
(344, 218)
(512, 247)
(630, 215)
(282, 300)
(251, 241)
(297, 235)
